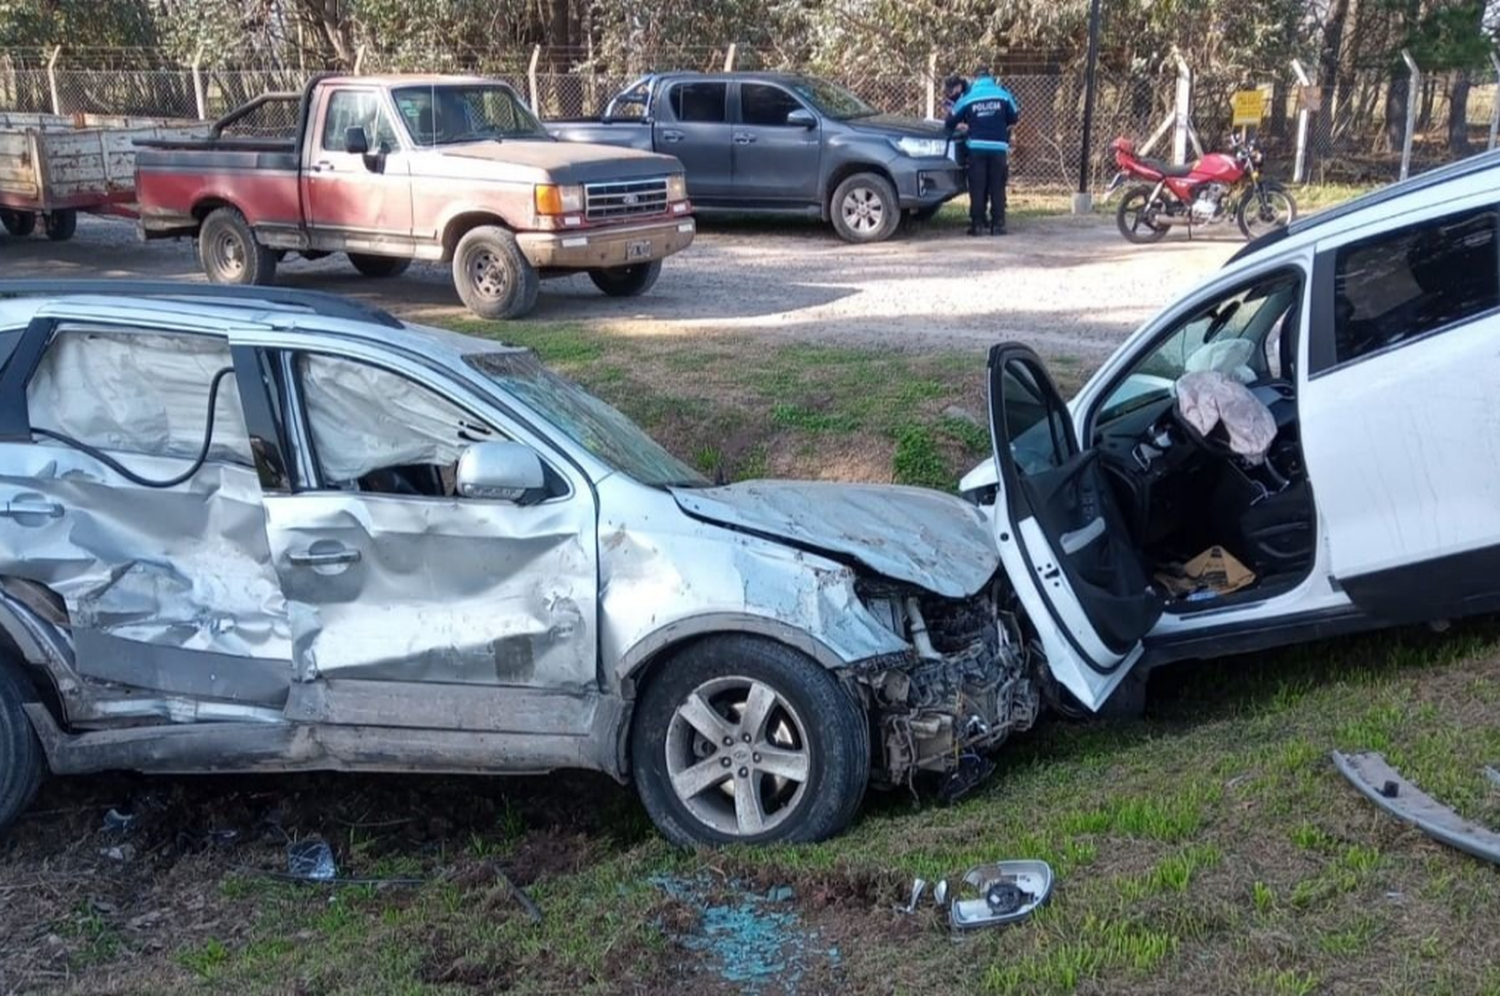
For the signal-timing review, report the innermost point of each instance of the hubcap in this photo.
(488, 275)
(738, 756)
(229, 254)
(863, 209)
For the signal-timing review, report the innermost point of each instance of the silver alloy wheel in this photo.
(228, 253)
(863, 210)
(488, 275)
(1274, 212)
(738, 756)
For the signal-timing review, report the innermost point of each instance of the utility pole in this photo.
(1083, 201)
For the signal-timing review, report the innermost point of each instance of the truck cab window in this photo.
(763, 104)
(376, 431)
(703, 103)
(357, 109)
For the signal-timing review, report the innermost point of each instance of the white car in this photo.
(1354, 477)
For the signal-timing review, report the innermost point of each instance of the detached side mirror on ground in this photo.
(802, 118)
(501, 471)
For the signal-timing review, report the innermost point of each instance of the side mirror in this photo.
(356, 142)
(802, 118)
(502, 471)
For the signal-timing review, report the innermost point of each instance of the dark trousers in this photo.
(989, 172)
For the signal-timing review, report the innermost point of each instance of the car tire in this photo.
(1141, 231)
(379, 267)
(60, 225)
(865, 209)
(627, 281)
(229, 252)
(493, 277)
(18, 223)
(814, 726)
(21, 762)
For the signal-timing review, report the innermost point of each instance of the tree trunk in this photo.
(1458, 115)
(1396, 97)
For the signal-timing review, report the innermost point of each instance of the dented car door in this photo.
(389, 575)
(121, 493)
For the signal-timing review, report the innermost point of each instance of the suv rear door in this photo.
(692, 122)
(1061, 538)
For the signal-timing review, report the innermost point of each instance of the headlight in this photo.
(554, 199)
(923, 148)
(677, 187)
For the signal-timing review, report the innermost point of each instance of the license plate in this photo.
(638, 250)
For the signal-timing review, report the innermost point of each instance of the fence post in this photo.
(359, 58)
(536, 57)
(1495, 104)
(1299, 171)
(1182, 120)
(52, 79)
(932, 84)
(1413, 85)
(729, 57)
(198, 96)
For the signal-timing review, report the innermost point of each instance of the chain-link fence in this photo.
(1355, 134)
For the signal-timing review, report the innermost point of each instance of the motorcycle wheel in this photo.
(1265, 210)
(1135, 218)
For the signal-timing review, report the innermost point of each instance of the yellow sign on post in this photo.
(1249, 107)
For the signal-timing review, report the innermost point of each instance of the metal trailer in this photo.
(53, 166)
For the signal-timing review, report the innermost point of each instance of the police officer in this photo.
(985, 114)
(954, 87)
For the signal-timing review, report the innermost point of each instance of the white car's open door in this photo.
(1060, 534)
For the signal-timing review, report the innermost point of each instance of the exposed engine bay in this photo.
(970, 682)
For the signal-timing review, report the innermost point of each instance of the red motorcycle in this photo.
(1220, 186)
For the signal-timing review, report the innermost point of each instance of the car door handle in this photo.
(672, 136)
(743, 138)
(16, 508)
(321, 167)
(316, 557)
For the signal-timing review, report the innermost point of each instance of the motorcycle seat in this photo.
(1165, 168)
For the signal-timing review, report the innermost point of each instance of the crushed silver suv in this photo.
(254, 529)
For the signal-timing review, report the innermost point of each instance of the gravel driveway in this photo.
(1066, 285)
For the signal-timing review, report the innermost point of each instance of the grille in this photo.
(624, 199)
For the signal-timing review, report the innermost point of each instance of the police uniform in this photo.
(988, 110)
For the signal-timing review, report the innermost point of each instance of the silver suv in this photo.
(253, 529)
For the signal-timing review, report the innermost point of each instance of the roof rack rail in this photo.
(1456, 170)
(317, 302)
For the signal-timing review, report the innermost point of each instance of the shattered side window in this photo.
(377, 431)
(138, 392)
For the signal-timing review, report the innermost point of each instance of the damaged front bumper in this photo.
(967, 684)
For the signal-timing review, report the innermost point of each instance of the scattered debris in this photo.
(1212, 573)
(781, 894)
(118, 822)
(918, 887)
(1384, 786)
(1009, 891)
(1491, 775)
(940, 895)
(311, 860)
(533, 911)
(120, 852)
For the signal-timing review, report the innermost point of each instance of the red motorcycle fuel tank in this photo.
(1216, 167)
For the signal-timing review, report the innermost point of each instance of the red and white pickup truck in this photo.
(391, 169)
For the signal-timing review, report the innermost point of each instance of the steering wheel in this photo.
(1216, 443)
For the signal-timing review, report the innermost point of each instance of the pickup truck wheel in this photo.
(18, 223)
(627, 281)
(379, 266)
(865, 209)
(492, 275)
(743, 740)
(229, 252)
(21, 763)
(60, 225)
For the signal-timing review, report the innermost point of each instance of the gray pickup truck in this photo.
(782, 143)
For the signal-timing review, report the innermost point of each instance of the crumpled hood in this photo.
(923, 537)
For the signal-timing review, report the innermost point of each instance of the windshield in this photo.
(451, 113)
(589, 422)
(832, 100)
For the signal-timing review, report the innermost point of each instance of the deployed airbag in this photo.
(138, 392)
(1207, 398)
